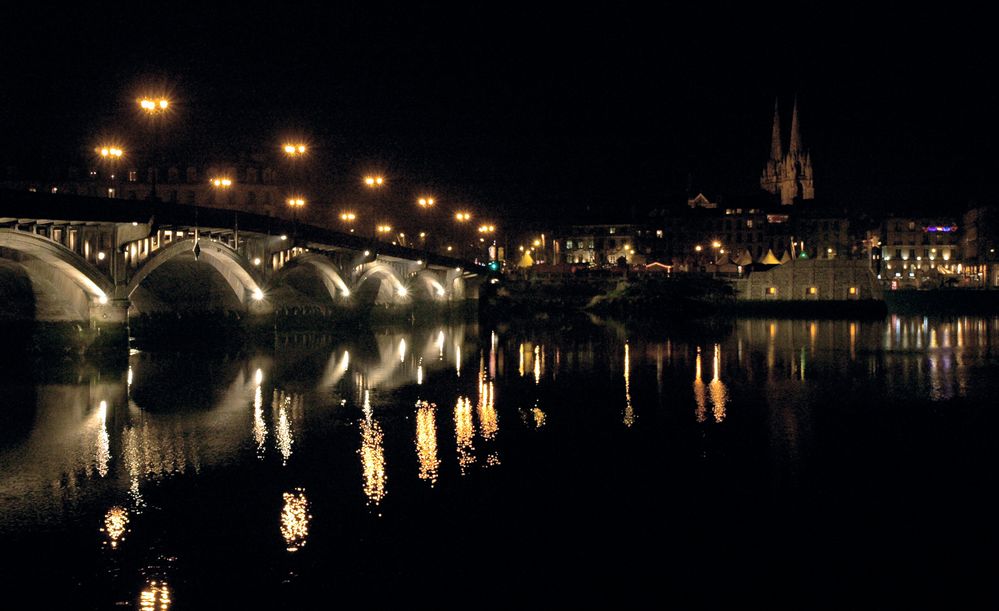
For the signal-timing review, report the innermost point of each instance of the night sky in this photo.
(525, 111)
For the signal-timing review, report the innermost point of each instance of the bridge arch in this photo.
(381, 284)
(219, 256)
(65, 285)
(329, 273)
(431, 285)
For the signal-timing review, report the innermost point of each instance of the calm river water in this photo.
(793, 463)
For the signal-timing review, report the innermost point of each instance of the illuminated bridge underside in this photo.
(64, 285)
(99, 256)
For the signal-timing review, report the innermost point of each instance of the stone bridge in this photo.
(65, 258)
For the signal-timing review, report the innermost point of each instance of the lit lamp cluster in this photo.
(295, 202)
(487, 228)
(425, 202)
(374, 181)
(153, 106)
(294, 150)
(348, 217)
(384, 229)
(110, 152)
(221, 182)
(461, 217)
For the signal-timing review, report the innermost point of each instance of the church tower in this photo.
(788, 175)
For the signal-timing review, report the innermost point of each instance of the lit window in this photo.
(812, 290)
(612, 230)
(133, 176)
(659, 233)
(771, 290)
(568, 244)
(853, 290)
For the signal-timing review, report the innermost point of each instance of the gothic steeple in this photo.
(788, 175)
(795, 144)
(775, 149)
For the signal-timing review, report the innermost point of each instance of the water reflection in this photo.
(464, 431)
(629, 411)
(155, 596)
(115, 525)
(130, 438)
(372, 454)
(426, 441)
(103, 441)
(718, 392)
(295, 519)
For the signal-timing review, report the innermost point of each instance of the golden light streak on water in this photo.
(156, 596)
(402, 350)
(464, 431)
(440, 345)
(629, 411)
(282, 434)
(717, 390)
(419, 374)
(346, 360)
(520, 368)
(295, 519)
(426, 441)
(373, 461)
(103, 456)
(115, 525)
(539, 417)
(488, 418)
(130, 451)
(457, 359)
(537, 364)
(700, 395)
(259, 426)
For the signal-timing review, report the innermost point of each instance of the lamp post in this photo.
(348, 218)
(220, 184)
(374, 182)
(487, 230)
(295, 203)
(427, 204)
(294, 151)
(154, 107)
(110, 155)
(461, 217)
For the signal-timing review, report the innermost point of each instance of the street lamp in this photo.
(110, 155)
(219, 184)
(154, 107)
(295, 203)
(349, 218)
(425, 202)
(374, 181)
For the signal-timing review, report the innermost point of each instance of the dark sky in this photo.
(526, 110)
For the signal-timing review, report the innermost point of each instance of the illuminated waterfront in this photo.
(798, 462)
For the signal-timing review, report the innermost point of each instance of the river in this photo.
(793, 463)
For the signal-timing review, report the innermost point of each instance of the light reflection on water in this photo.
(104, 440)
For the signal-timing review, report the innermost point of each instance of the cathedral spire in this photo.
(775, 149)
(795, 144)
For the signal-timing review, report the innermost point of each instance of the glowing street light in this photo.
(221, 182)
(487, 228)
(348, 217)
(425, 202)
(374, 181)
(462, 217)
(154, 107)
(294, 150)
(295, 203)
(110, 155)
